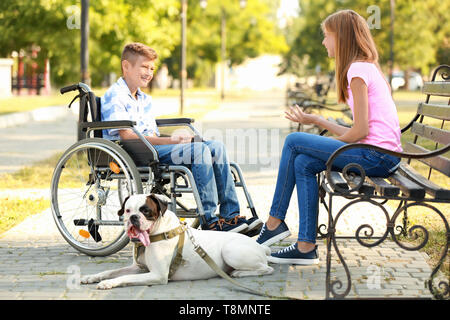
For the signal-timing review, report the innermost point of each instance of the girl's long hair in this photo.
(353, 42)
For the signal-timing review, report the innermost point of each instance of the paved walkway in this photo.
(36, 263)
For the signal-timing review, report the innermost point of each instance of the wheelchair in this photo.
(95, 175)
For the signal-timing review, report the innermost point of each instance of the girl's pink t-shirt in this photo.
(384, 128)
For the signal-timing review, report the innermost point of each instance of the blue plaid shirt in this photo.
(118, 104)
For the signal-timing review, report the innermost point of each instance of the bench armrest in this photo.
(342, 149)
(405, 155)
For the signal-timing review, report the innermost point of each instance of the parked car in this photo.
(398, 80)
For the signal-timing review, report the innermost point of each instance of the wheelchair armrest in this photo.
(172, 121)
(108, 124)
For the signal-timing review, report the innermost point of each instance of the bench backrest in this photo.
(430, 127)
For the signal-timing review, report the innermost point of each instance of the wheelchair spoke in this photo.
(88, 185)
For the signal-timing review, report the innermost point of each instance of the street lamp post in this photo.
(183, 73)
(84, 52)
(391, 62)
(223, 48)
(223, 40)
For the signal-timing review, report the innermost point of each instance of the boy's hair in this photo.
(132, 50)
(353, 42)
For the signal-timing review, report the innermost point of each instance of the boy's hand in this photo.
(176, 139)
(296, 114)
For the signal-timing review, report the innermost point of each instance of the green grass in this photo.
(36, 176)
(28, 103)
(14, 211)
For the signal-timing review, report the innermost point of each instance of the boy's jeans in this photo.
(303, 157)
(212, 174)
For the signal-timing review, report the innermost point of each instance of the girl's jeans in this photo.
(304, 155)
(211, 170)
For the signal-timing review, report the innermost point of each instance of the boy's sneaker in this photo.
(254, 226)
(235, 224)
(267, 237)
(291, 255)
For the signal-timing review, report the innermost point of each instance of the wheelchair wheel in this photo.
(88, 185)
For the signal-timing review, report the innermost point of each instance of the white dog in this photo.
(147, 216)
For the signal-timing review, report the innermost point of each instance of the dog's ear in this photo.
(120, 212)
(162, 205)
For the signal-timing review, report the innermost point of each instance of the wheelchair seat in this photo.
(137, 150)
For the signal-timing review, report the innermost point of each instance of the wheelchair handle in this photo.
(73, 87)
(79, 86)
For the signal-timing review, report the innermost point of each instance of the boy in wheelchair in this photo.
(207, 160)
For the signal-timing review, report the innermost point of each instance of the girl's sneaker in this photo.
(267, 237)
(291, 255)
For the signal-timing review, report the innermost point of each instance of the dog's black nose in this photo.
(134, 219)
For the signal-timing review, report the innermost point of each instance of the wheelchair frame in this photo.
(154, 176)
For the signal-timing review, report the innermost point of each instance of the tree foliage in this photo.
(113, 23)
(250, 31)
(421, 33)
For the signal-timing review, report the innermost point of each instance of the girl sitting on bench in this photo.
(361, 84)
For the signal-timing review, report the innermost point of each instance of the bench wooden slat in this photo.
(435, 134)
(339, 180)
(408, 187)
(437, 88)
(342, 122)
(431, 188)
(382, 187)
(366, 188)
(433, 110)
(440, 163)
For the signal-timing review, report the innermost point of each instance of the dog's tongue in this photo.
(144, 238)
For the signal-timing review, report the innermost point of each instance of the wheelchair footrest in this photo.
(80, 222)
(192, 213)
(92, 228)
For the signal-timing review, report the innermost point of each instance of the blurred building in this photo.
(5, 77)
(259, 74)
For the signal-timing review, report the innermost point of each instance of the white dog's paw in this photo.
(106, 284)
(89, 279)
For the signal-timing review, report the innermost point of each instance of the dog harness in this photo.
(178, 253)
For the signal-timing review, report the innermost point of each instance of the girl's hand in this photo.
(296, 114)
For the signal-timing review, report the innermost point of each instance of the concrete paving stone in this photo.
(414, 293)
(75, 295)
(399, 274)
(422, 265)
(6, 286)
(40, 295)
(9, 279)
(9, 295)
(375, 292)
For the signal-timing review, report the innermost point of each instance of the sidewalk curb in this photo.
(40, 114)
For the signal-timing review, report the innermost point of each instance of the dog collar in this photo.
(169, 234)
